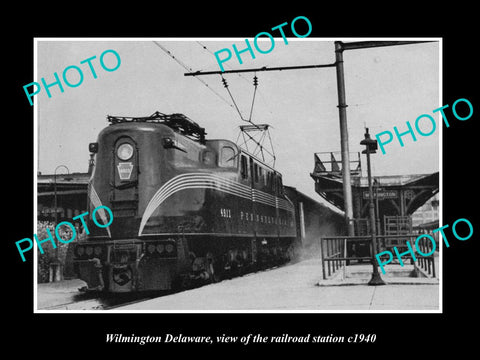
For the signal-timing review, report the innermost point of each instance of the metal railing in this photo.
(395, 225)
(338, 250)
(335, 252)
(426, 263)
(331, 163)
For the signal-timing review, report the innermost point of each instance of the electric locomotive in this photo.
(185, 208)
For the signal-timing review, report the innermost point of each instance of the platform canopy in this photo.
(394, 195)
(70, 191)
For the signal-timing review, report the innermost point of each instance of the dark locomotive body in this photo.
(184, 208)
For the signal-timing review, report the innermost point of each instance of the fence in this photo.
(427, 228)
(396, 225)
(335, 254)
(426, 263)
(337, 251)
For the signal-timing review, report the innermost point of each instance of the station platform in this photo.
(299, 287)
(55, 293)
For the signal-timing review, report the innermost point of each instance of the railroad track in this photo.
(76, 305)
(108, 301)
(101, 302)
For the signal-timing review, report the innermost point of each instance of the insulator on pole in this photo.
(224, 82)
(255, 81)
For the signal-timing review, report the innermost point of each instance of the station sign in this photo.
(381, 195)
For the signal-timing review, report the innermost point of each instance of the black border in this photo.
(408, 332)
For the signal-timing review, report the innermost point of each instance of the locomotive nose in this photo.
(124, 184)
(114, 182)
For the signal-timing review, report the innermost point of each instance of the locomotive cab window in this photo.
(208, 157)
(227, 157)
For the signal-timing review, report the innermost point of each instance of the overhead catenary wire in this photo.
(244, 130)
(240, 75)
(260, 147)
(255, 84)
(169, 53)
(226, 65)
(225, 85)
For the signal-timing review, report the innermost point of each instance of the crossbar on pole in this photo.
(278, 68)
(371, 44)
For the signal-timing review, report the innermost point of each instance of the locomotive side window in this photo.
(227, 158)
(280, 186)
(244, 169)
(277, 184)
(255, 172)
(269, 180)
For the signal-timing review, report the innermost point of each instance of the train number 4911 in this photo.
(226, 213)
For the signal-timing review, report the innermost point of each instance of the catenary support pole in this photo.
(342, 109)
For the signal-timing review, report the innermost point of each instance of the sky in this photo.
(385, 87)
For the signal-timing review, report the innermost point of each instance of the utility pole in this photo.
(342, 111)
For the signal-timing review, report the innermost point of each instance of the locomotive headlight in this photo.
(150, 248)
(160, 248)
(125, 151)
(169, 248)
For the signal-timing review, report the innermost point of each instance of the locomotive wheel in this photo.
(230, 265)
(181, 282)
(242, 262)
(212, 268)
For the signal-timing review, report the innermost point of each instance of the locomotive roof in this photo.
(178, 122)
(183, 125)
